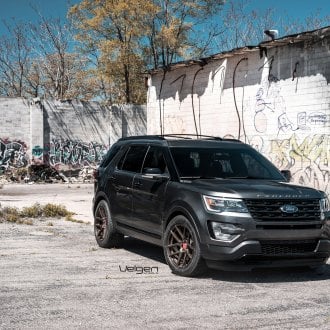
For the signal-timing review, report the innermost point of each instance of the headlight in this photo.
(220, 204)
(324, 205)
(325, 208)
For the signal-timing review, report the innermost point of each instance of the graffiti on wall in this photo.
(75, 153)
(270, 107)
(308, 160)
(295, 139)
(37, 155)
(13, 154)
(314, 119)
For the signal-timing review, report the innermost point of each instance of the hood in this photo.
(251, 188)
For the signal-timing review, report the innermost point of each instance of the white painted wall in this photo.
(282, 105)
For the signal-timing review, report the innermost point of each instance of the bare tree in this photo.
(241, 26)
(15, 61)
(51, 40)
(37, 60)
(313, 21)
(180, 30)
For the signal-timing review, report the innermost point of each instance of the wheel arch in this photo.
(100, 196)
(186, 211)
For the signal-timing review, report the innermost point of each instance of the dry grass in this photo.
(36, 211)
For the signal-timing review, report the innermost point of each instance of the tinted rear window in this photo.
(133, 159)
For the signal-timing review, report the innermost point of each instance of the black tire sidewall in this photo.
(197, 263)
(109, 231)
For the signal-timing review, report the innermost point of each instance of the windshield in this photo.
(223, 163)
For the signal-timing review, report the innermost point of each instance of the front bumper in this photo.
(252, 254)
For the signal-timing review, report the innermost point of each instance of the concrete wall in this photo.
(66, 135)
(15, 133)
(77, 134)
(278, 102)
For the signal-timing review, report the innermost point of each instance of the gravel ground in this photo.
(53, 275)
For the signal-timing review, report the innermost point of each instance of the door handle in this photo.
(137, 184)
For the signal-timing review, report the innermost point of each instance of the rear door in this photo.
(120, 183)
(149, 192)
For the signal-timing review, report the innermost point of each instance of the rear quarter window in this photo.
(112, 152)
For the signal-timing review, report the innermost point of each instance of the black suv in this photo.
(208, 202)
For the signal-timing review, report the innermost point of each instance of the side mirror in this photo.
(155, 173)
(287, 175)
(152, 170)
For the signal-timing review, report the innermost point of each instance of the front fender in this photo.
(181, 207)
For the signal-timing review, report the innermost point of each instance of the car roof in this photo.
(181, 140)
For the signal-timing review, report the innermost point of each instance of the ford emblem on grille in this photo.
(289, 208)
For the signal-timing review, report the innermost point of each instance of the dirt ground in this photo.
(53, 275)
(76, 197)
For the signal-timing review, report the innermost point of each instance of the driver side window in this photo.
(255, 168)
(155, 159)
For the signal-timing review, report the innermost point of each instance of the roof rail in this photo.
(164, 136)
(232, 139)
(142, 137)
(177, 136)
(191, 136)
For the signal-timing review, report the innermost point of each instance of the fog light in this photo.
(225, 231)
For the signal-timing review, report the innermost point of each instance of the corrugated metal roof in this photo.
(283, 41)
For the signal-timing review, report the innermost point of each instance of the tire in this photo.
(104, 230)
(182, 248)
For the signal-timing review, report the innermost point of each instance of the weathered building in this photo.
(274, 96)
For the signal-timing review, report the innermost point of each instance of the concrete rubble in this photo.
(46, 174)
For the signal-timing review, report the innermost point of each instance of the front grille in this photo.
(270, 209)
(291, 226)
(277, 248)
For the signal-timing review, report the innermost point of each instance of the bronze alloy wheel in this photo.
(101, 222)
(182, 248)
(104, 229)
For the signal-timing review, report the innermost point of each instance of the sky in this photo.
(22, 11)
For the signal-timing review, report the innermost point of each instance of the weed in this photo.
(55, 210)
(13, 214)
(27, 222)
(10, 214)
(70, 218)
(33, 211)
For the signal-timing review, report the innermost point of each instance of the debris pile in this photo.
(46, 174)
